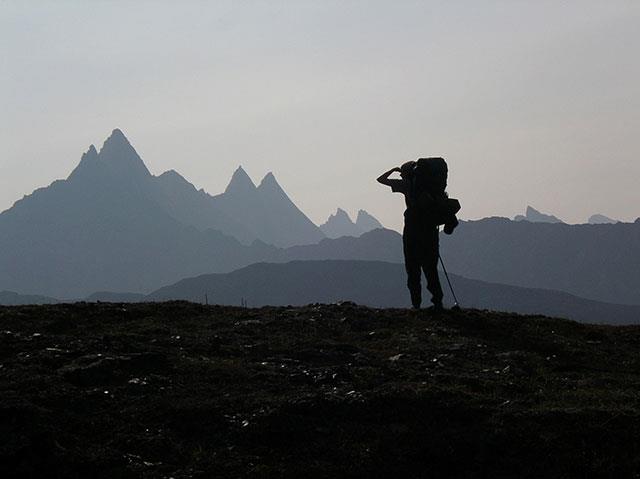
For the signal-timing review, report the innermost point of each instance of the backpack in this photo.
(429, 190)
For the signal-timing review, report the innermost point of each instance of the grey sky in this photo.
(531, 102)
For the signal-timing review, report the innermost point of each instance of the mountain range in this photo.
(107, 227)
(378, 284)
(599, 219)
(534, 216)
(599, 262)
(113, 226)
(371, 283)
(340, 224)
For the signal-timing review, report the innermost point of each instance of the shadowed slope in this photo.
(600, 262)
(379, 284)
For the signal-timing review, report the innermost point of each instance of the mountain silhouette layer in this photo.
(599, 219)
(340, 224)
(534, 216)
(106, 228)
(113, 226)
(599, 262)
(377, 284)
(14, 299)
(367, 222)
(266, 211)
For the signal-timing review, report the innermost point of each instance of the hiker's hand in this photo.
(449, 227)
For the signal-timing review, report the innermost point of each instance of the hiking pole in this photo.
(456, 306)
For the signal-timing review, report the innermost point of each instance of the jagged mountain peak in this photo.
(117, 135)
(342, 214)
(90, 155)
(118, 153)
(340, 224)
(599, 219)
(117, 141)
(91, 151)
(531, 210)
(534, 216)
(116, 158)
(87, 161)
(171, 174)
(173, 177)
(269, 177)
(269, 184)
(240, 183)
(267, 210)
(269, 181)
(367, 222)
(271, 189)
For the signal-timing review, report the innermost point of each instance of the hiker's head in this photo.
(406, 170)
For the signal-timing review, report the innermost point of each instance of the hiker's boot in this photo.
(416, 300)
(436, 308)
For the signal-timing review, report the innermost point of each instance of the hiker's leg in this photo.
(430, 267)
(412, 266)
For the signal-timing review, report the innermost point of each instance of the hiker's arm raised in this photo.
(384, 177)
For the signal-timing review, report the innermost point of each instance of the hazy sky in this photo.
(531, 102)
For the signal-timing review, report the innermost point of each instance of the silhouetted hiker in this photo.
(423, 184)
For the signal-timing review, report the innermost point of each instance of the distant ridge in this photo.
(10, 298)
(240, 183)
(113, 226)
(266, 211)
(367, 222)
(534, 216)
(599, 219)
(599, 262)
(378, 284)
(113, 297)
(340, 224)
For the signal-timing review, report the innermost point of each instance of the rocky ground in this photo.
(184, 390)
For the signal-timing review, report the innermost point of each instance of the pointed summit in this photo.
(269, 180)
(267, 211)
(342, 214)
(116, 134)
(534, 216)
(599, 219)
(270, 184)
(340, 224)
(116, 140)
(87, 162)
(240, 183)
(121, 157)
(366, 222)
(90, 156)
(91, 151)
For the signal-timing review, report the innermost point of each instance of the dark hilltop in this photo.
(185, 390)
